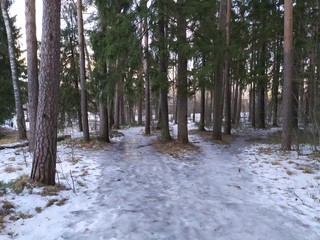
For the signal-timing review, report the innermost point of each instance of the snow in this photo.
(241, 191)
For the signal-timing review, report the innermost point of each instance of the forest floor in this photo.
(137, 188)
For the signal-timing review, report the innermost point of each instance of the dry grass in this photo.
(93, 144)
(8, 136)
(305, 169)
(289, 172)
(10, 169)
(174, 148)
(38, 209)
(207, 135)
(317, 178)
(267, 151)
(52, 190)
(84, 173)
(62, 201)
(19, 184)
(51, 202)
(275, 162)
(5, 210)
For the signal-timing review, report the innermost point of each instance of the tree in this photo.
(182, 81)
(45, 151)
(164, 85)
(6, 91)
(287, 88)
(84, 104)
(32, 61)
(146, 68)
(218, 79)
(14, 71)
(227, 85)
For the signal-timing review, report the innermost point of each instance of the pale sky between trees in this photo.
(18, 10)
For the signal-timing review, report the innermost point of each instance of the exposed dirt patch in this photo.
(174, 148)
(8, 136)
(207, 135)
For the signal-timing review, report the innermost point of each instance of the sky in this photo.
(18, 9)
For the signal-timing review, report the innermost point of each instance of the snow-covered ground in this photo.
(128, 190)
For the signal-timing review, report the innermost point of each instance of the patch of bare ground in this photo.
(173, 148)
(95, 143)
(8, 136)
(207, 135)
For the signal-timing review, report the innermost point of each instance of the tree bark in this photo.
(32, 68)
(14, 72)
(164, 85)
(227, 97)
(288, 72)
(182, 81)
(145, 62)
(45, 151)
(218, 80)
(84, 102)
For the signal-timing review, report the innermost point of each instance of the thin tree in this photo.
(182, 81)
(32, 68)
(14, 71)
(84, 103)
(45, 151)
(287, 72)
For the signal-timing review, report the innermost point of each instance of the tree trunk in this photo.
(182, 81)
(45, 151)
(32, 61)
(145, 61)
(235, 102)
(287, 71)
(14, 72)
(84, 103)
(202, 97)
(104, 125)
(164, 85)
(239, 101)
(117, 107)
(253, 105)
(227, 97)
(218, 80)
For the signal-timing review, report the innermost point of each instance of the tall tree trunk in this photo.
(164, 85)
(261, 114)
(235, 102)
(145, 61)
(202, 108)
(103, 113)
(117, 106)
(287, 71)
(45, 151)
(14, 72)
(182, 81)
(253, 105)
(227, 97)
(239, 101)
(32, 61)
(218, 83)
(202, 97)
(84, 102)
(104, 122)
(76, 85)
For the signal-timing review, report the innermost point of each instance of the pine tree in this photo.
(45, 151)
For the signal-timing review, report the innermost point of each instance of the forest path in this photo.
(144, 194)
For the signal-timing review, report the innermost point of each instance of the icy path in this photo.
(143, 194)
